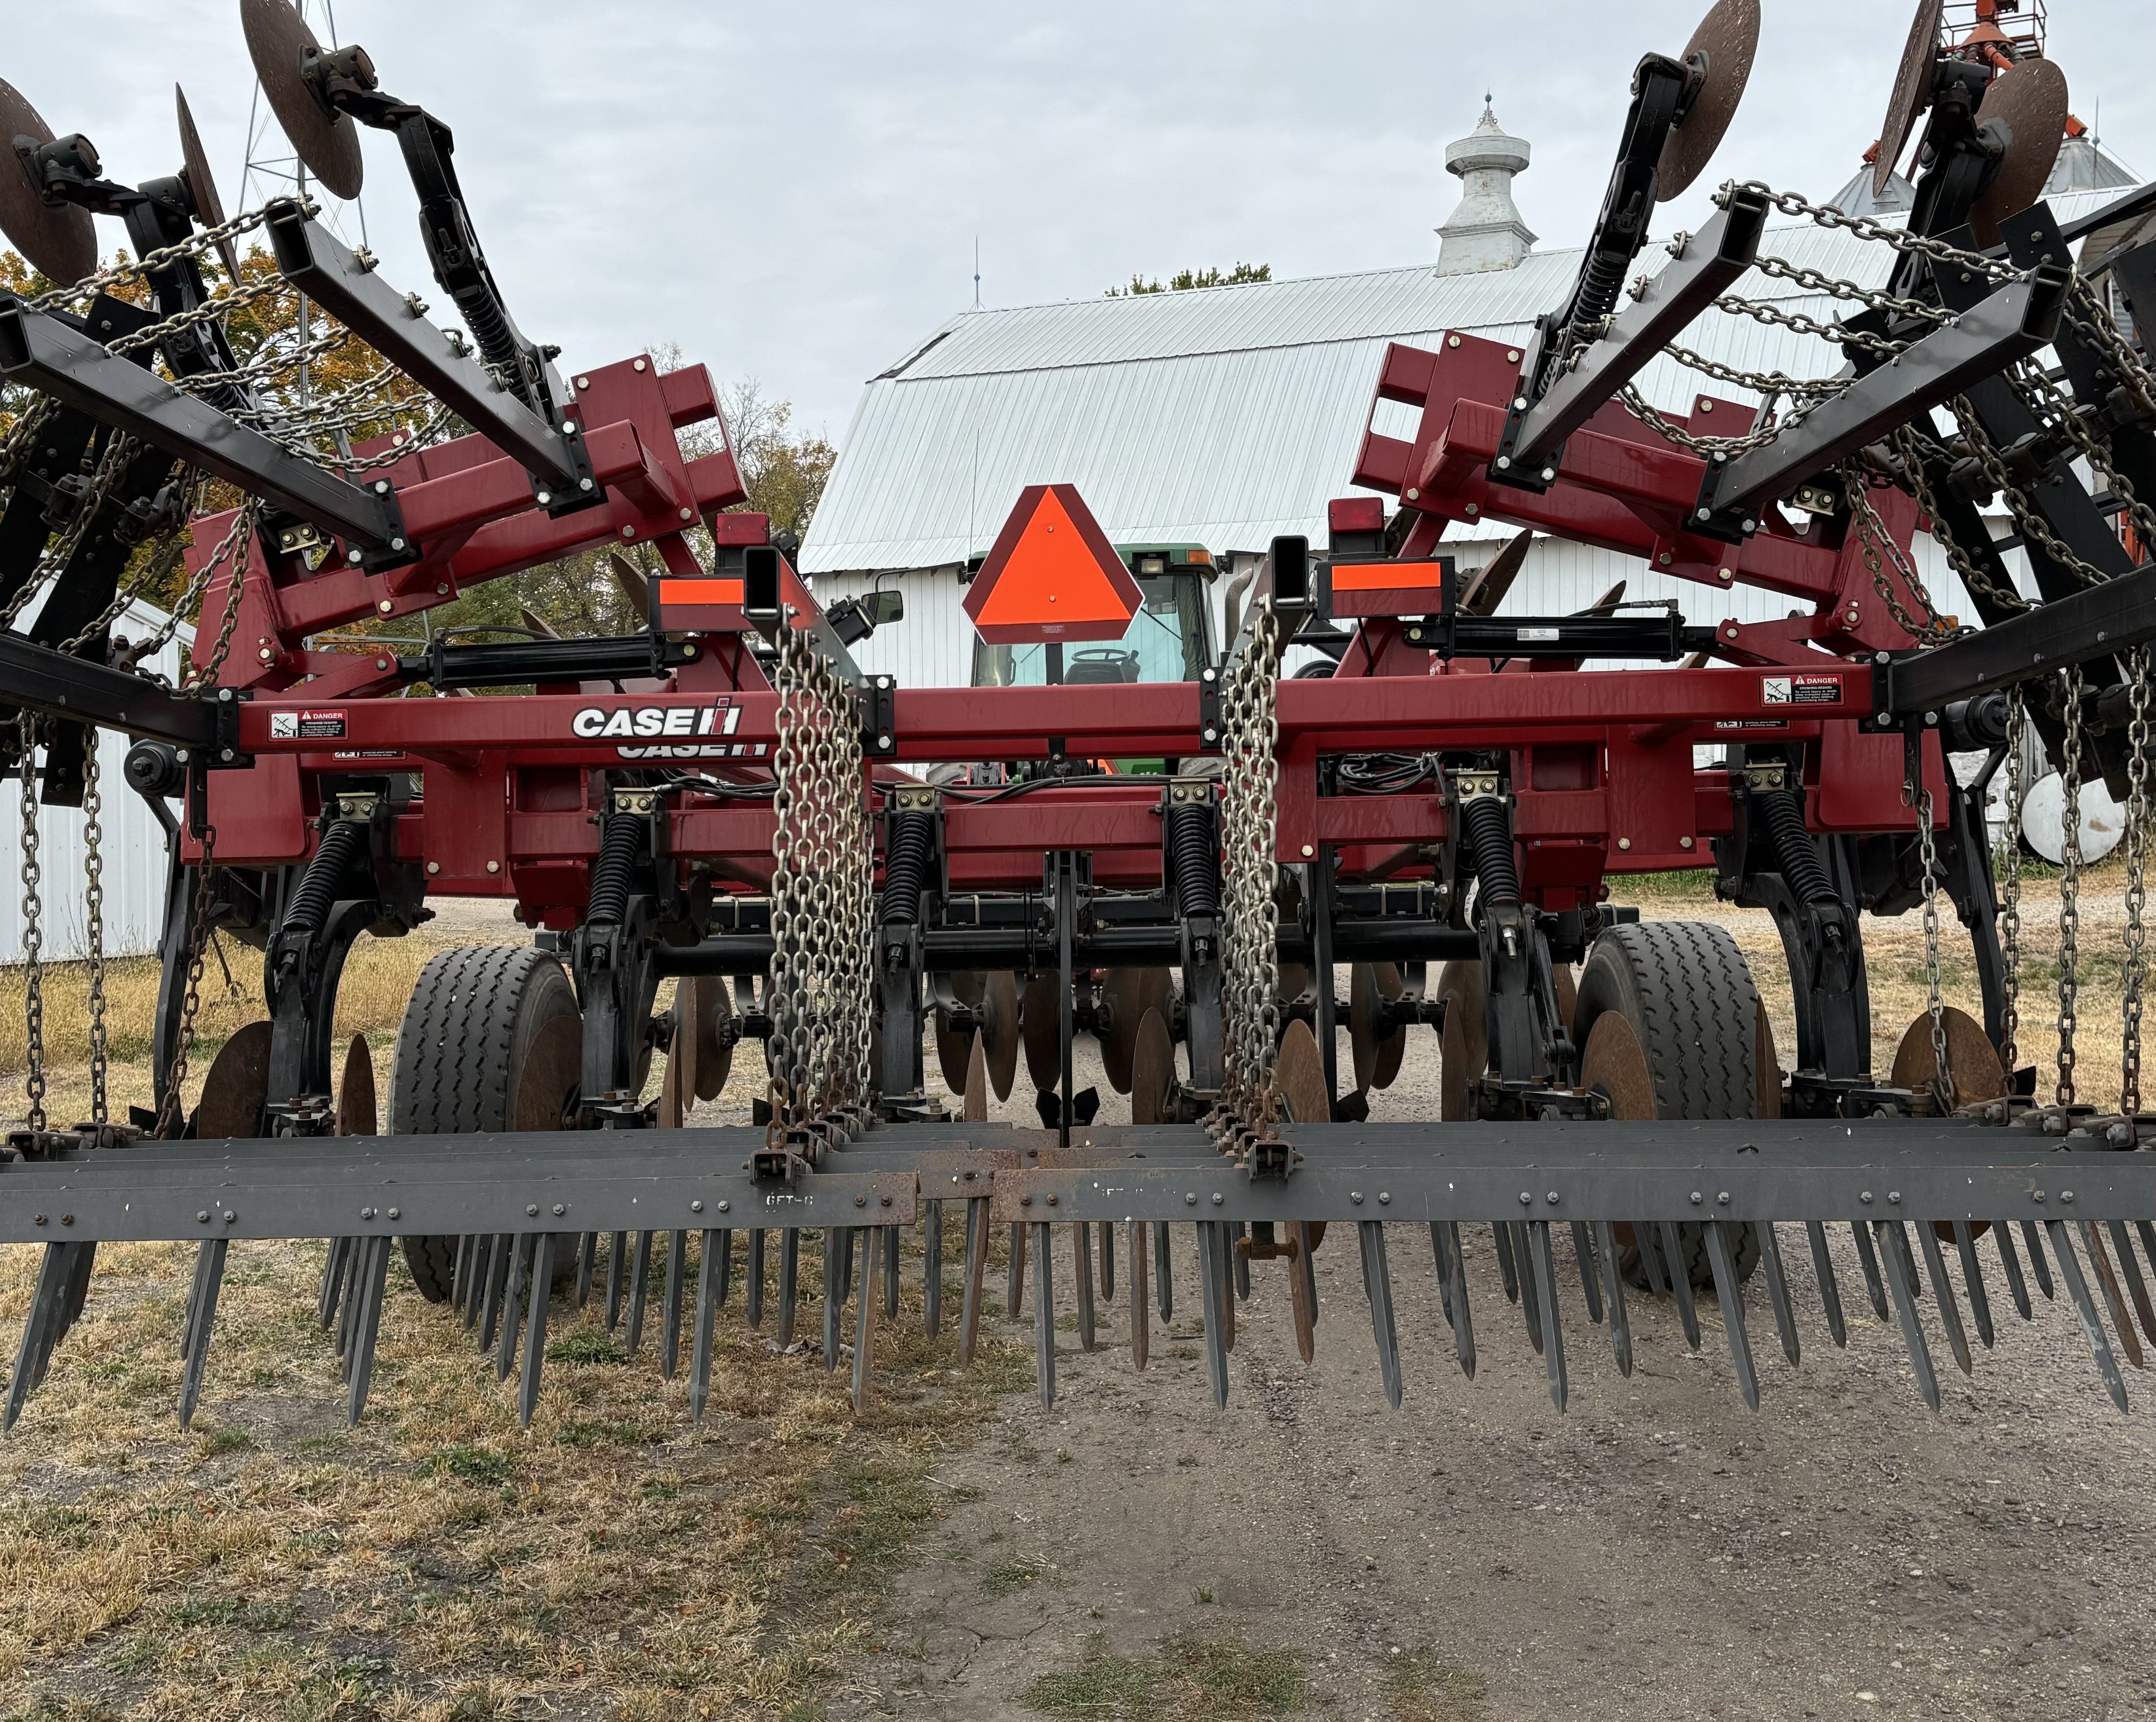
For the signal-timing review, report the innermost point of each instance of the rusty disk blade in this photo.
(540, 1087)
(1912, 90)
(1377, 1061)
(976, 1108)
(209, 207)
(238, 1086)
(1722, 50)
(953, 1046)
(999, 1006)
(631, 581)
(1568, 992)
(1042, 1032)
(59, 240)
(1153, 1071)
(277, 40)
(357, 1113)
(1607, 604)
(1972, 1060)
(1766, 1068)
(2031, 99)
(1299, 1071)
(1615, 1063)
(1130, 994)
(1465, 1042)
(1487, 587)
(715, 1046)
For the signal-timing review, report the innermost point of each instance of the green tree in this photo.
(783, 470)
(1185, 279)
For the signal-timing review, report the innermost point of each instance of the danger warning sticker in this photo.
(306, 725)
(1800, 690)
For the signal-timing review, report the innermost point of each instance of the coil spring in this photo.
(1783, 813)
(905, 867)
(1193, 858)
(1489, 835)
(610, 873)
(318, 885)
(490, 329)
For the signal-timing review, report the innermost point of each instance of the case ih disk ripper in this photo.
(723, 797)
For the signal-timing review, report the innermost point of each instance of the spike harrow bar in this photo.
(721, 796)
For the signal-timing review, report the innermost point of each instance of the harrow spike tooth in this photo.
(640, 1290)
(326, 1296)
(1729, 1292)
(477, 1270)
(838, 1272)
(1238, 1259)
(373, 1281)
(1108, 1245)
(1613, 1290)
(587, 1261)
(2129, 1273)
(2147, 1241)
(40, 1328)
(670, 1319)
(1081, 1279)
(752, 1294)
(497, 1277)
(2070, 1270)
(1215, 1298)
(1531, 1302)
(976, 1272)
(617, 1269)
(1163, 1271)
(889, 1251)
(2009, 1261)
(78, 1286)
(1648, 1239)
(789, 1285)
(190, 1311)
(1837, 1326)
(725, 1250)
(1679, 1274)
(1905, 1309)
(1943, 1294)
(459, 1273)
(1583, 1248)
(1463, 1324)
(1907, 1258)
(1437, 1250)
(711, 1265)
(355, 1277)
(1777, 1292)
(1225, 1258)
(1972, 1279)
(876, 1242)
(512, 1305)
(1874, 1282)
(2107, 1276)
(932, 1267)
(535, 1327)
(1541, 1254)
(1303, 1290)
(1014, 1289)
(2037, 1265)
(1507, 1269)
(201, 1318)
(1141, 1298)
(1377, 1281)
(1043, 1314)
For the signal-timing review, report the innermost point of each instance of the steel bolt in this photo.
(202, 1218)
(1886, 717)
(1355, 1197)
(396, 1213)
(696, 1207)
(385, 607)
(688, 514)
(1723, 574)
(1865, 1196)
(494, 867)
(860, 1201)
(365, 1213)
(230, 1216)
(1190, 1198)
(568, 426)
(1696, 1198)
(1893, 1196)
(1684, 842)
(884, 1201)
(1512, 357)
(1666, 558)
(353, 557)
(1410, 495)
(38, 1221)
(1218, 1198)
(381, 664)
(1308, 851)
(2066, 1196)
(638, 365)
(544, 499)
(1722, 1197)
(1474, 508)
(1452, 341)
(560, 1209)
(2037, 1195)
(433, 866)
(1026, 1201)
(1552, 1198)
(1526, 1200)
(442, 589)
(629, 531)
(1384, 1197)
(1623, 842)
(583, 382)
(726, 1207)
(585, 484)
(531, 1209)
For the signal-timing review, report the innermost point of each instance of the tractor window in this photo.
(1167, 641)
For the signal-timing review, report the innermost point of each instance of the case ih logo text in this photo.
(675, 728)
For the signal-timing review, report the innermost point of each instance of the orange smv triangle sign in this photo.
(1052, 575)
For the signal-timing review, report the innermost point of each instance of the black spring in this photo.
(1782, 812)
(490, 328)
(905, 867)
(610, 873)
(1489, 835)
(318, 885)
(1193, 858)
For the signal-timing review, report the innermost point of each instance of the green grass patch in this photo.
(1010, 1578)
(472, 1464)
(1191, 1680)
(589, 1346)
(1421, 1687)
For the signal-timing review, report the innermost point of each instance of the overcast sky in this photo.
(793, 191)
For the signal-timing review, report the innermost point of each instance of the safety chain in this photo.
(821, 972)
(1652, 416)
(30, 725)
(98, 478)
(2035, 529)
(1249, 961)
(1872, 536)
(1835, 287)
(1864, 227)
(1906, 444)
(1840, 334)
(1942, 1085)
(2053, 407)
(198, 937)
(2069, 886)
(196, 244)
(2132, 959)
(93, 914)
(2007, 864)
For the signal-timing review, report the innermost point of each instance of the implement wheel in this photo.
(1669, 1023)
(492, 1040)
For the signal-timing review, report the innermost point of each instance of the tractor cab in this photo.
(1170, 638)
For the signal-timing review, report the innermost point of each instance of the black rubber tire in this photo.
(1687, 992)
(471, 1021)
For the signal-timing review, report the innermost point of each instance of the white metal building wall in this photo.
(132, 846)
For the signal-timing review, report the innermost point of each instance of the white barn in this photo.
(1227, 415)
(132, 844)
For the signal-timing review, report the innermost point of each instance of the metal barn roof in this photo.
(1222, 415)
